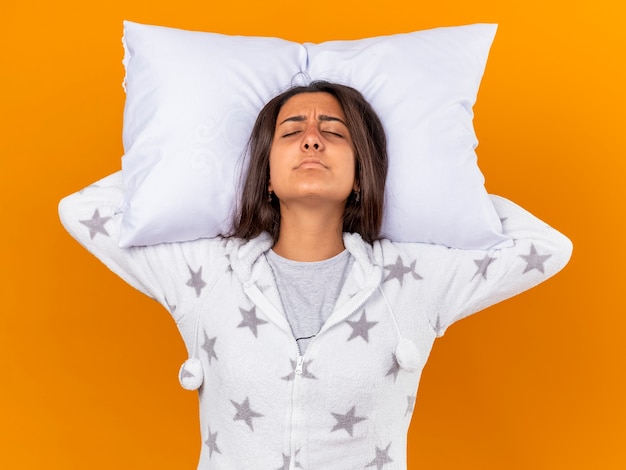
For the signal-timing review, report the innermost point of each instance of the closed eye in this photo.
(289, 134)
(333, 133)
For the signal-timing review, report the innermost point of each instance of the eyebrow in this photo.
(321, 117)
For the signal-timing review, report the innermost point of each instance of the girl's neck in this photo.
(309, 235)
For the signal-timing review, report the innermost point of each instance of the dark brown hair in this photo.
(256, 214)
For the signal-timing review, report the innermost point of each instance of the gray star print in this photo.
(96, 224)
(170, 307)
(287, 461)
(398, 270)
(196, 280)
(534, 260)
(211, 441)
(382, 458)
(264, 287)
(410, 404)
(438, 323)
(186, 373)
(482, 265)
(229, 267)
(347, 421)
(245, 413)
(209, 346)
(250, 320)
(394, 369)
(305, 371)
(361, 327)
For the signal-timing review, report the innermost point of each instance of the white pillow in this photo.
(192, 98)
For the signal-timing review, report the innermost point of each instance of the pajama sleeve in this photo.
(171, 273)
(456, 283)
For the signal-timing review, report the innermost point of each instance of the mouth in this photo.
(310, 163)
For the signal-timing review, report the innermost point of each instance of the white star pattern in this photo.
(245, 413)
(361, 327)
(250, 320)
(398, 270)
(347, 421)
(209, 346)
(534, 260)
(96, 224)
(196, 280)
(382, 458)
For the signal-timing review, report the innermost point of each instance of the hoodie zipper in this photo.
(295, 410)
(346, 310)
(277, 317)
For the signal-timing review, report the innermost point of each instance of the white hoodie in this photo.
(347, 403)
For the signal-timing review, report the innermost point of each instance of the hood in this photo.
(244, 254)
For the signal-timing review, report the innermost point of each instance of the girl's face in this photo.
(312, 156)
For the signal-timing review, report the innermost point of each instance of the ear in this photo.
(269, 186)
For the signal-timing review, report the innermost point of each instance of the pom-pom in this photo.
(407, 355)
(190, 374)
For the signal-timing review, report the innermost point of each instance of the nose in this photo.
(311, 139)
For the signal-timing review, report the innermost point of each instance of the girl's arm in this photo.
(171, 273)
(456, 283)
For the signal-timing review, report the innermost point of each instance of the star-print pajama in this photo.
(347, 403)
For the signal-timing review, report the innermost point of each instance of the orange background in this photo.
(88, 365)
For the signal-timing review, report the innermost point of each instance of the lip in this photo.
(310, 163)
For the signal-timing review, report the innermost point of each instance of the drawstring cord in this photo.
(407, 354)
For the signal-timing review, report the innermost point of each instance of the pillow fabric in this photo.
(192, 99)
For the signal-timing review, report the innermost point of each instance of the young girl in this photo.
(307, 332)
